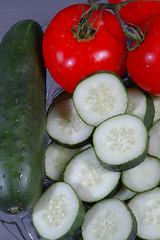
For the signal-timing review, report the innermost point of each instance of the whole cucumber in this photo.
(22, 117)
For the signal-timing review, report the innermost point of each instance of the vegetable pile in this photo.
(110, 169)
(94, 39)
(103, 157)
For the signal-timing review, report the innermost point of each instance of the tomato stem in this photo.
(112, 5)
(133, 33)
(85, 30)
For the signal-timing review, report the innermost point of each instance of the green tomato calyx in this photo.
(85, 30)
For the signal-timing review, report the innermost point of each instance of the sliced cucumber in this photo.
(59, 213)
(143, 177)
(56, 159)
(100, 96)
(156, 102)
(121, 142)
(89, 179)
(124, 194)
(109, 219)
(146, 208)
(154, 144)
(141, 104)
(65, 126)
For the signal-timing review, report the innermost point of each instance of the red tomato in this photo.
(143, 63)
(69, 60)
(137, 12)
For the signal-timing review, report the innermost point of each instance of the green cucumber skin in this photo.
(77, 225)
(149, 116)
(133, 233)
(127, 165)
(22, 117)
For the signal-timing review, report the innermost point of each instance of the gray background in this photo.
(41, 11)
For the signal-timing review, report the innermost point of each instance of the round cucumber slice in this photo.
(56, 159)
(65, 126)
(121, 142)
(100, 96)
(156, 102)
(154, 144)
(143, 177)
(109, 219)
(146, 208)
(141, 105)
(59, 213)
(89, 179)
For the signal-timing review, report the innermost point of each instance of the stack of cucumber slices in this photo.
(104, 160)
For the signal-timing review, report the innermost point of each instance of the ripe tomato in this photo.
(143, 63)
(137, 12)
(69, 60)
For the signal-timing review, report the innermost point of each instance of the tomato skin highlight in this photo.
(137, 12)
(69, 60)
(143, 63)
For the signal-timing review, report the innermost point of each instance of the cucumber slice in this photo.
(156, 102)
(141, 105)
(89, 179)
(154, 143)
(146, 208)
(65, 126)
(59, 213)
(100, 96)
(109, 219)
(56, 159)
(124, 194)
(121, 142)
(143, 177)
